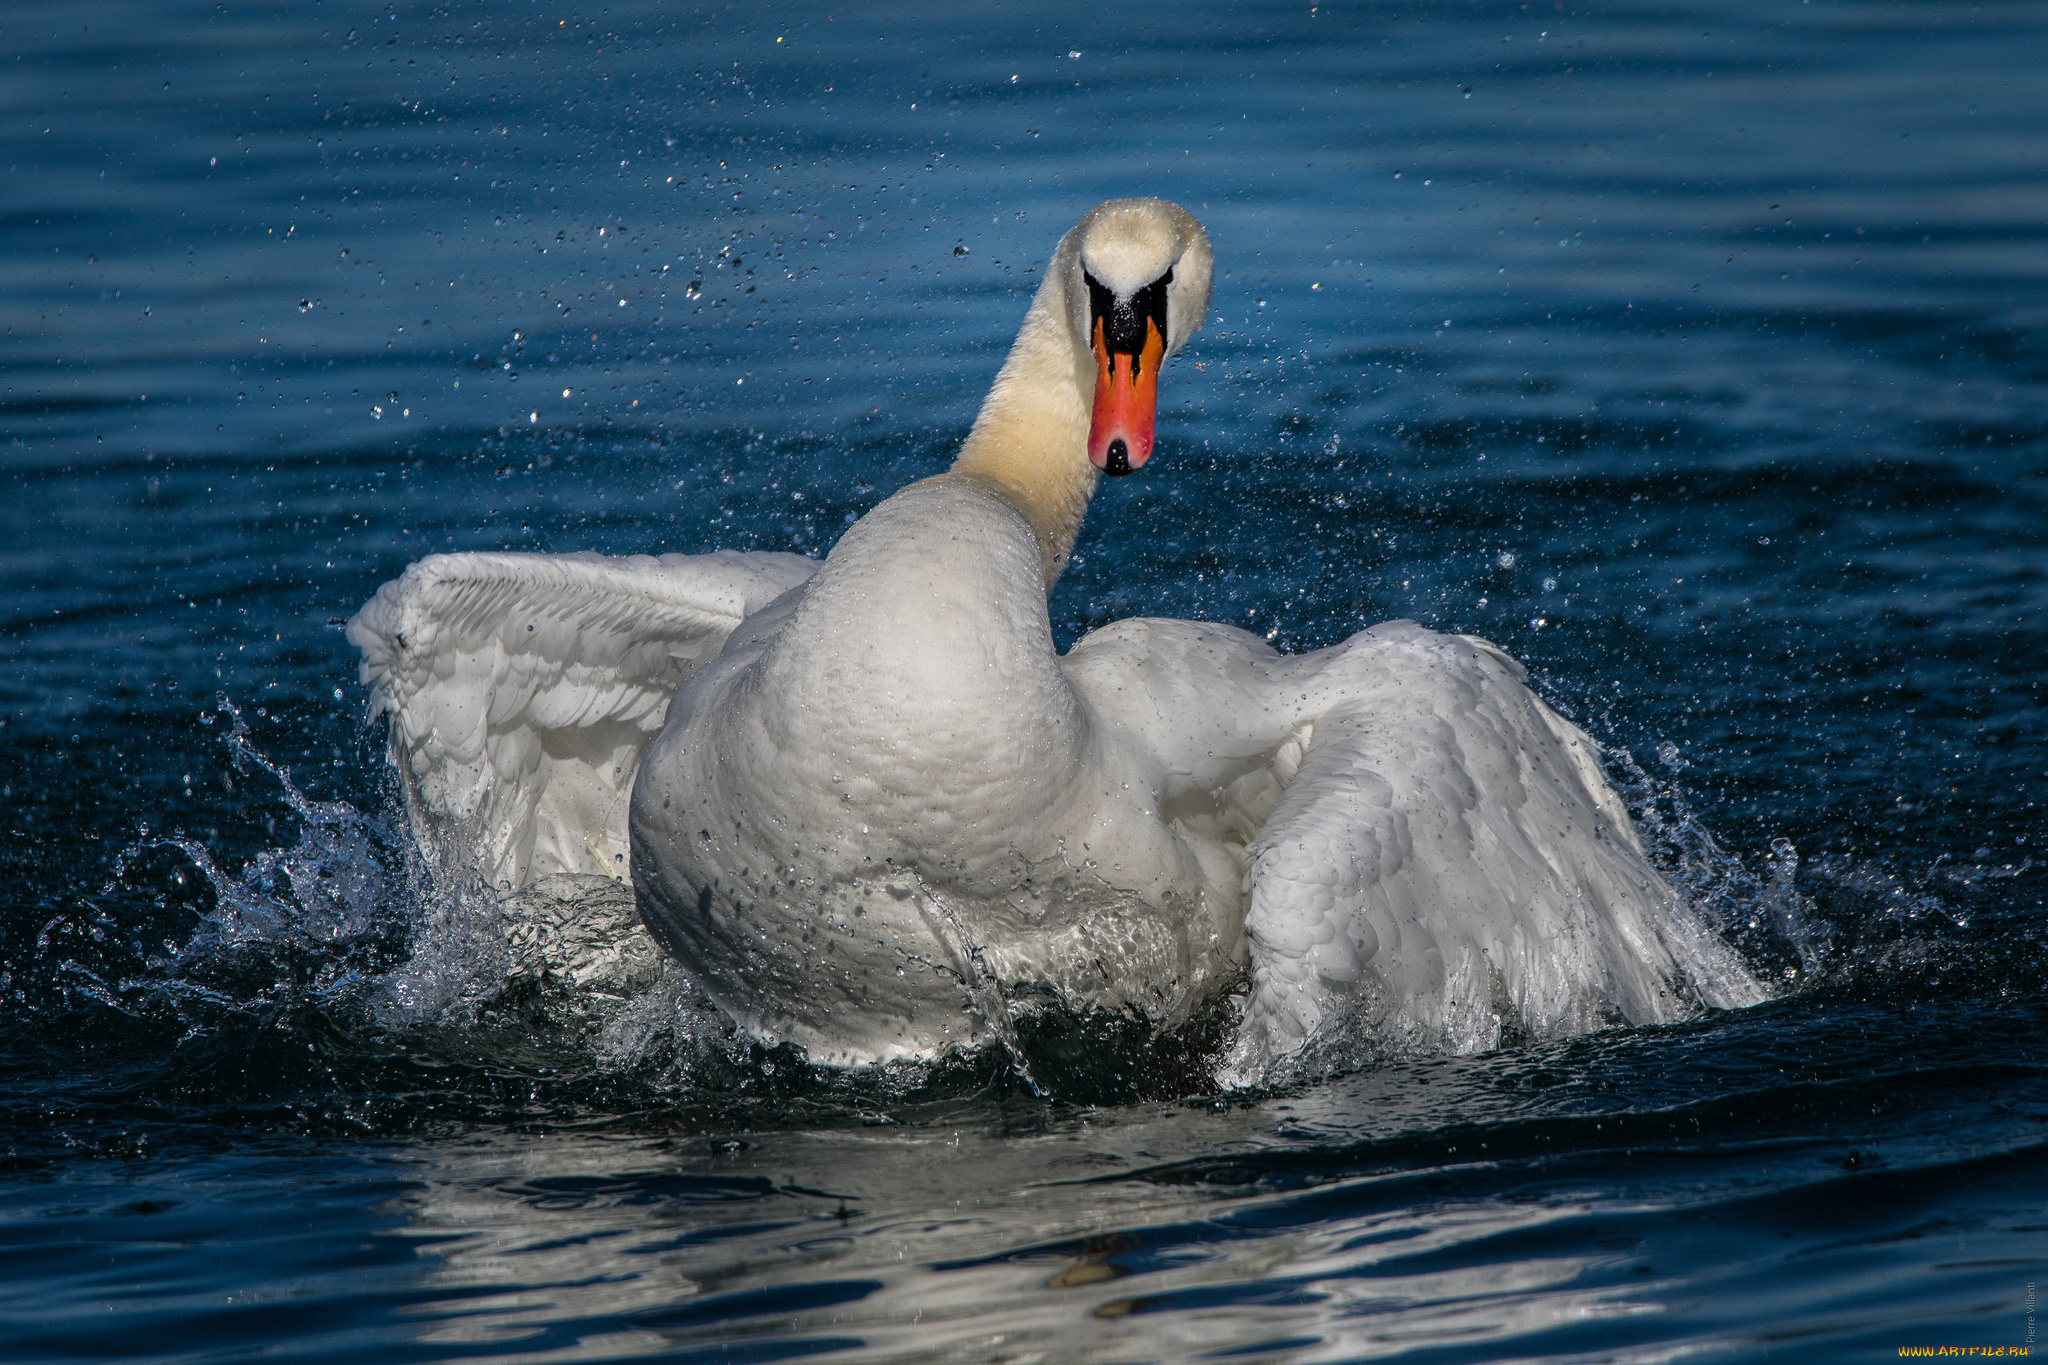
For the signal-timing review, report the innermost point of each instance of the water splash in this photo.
(347, 921)
(330, 922)
(970, 969)
(1761, 913)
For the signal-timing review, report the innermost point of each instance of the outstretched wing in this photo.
(523, 688)
(1449, 860)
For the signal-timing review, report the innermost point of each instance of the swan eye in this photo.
(1123, 320)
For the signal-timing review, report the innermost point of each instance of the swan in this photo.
(871, 811)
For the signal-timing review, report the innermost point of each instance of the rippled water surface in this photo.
(1696, 353)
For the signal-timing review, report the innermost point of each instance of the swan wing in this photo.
(523, 689)
(1201, 699)
(1450, 860)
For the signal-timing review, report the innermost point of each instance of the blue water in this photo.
(1696, 353)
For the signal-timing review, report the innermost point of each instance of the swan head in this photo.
(1138, 274)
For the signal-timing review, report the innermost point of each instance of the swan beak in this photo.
(1126, 399)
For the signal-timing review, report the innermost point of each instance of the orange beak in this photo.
(1126, 401)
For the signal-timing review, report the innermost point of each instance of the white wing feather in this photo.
(1429, 853)
(1450, 860)
(523, 689)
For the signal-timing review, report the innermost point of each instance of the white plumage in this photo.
(523, 688)
(872, 812)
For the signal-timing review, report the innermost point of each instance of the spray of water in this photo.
(969, 966)
(1761, 912)
(351, 923)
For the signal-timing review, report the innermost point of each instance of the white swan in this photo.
(880, 811)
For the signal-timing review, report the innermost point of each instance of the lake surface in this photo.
(1695, 353)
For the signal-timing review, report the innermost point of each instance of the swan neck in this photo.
(1030, 443)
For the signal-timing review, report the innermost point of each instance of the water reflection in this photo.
(981, 1240)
